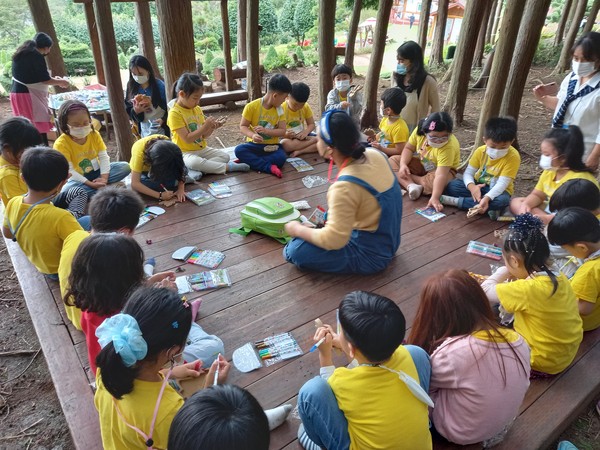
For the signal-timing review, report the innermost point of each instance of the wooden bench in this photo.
(219, 73)
(221, 98)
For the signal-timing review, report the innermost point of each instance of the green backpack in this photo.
(268, 216)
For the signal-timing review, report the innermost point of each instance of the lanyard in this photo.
(331, 170)
(16, 229)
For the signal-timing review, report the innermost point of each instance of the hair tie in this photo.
(76, 107)
(432, 125)
(125, 334)
(175, 324)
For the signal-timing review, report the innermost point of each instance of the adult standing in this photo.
(578, 99)
(421, 89)
(29, 91)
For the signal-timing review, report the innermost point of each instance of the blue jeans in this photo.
(118, 171)
(156, 185)
(324, 422)
(457, 188)
(85, 223)
(259, 160)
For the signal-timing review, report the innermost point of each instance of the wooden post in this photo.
(490, 23)
(501, 66)
(591, 17)
(145, 36)
(369, 114)
(90, 20)
(326, 52)
(424, 23)
(497, 17)
(42, 20)
(562, 23)
(241, 30)
(252, 51)
(564, 61)
(527, 41)
(479, 49)
(352, 31)
(437, 47)
(110, 60)
(229, 82)
(176, 39)
(465, 49)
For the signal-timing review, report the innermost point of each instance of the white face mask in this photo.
(546, 162)
(140, 79)
(342, 85)
(436, 144)
(582, 69)
(381, 112)
(80, 132)
(495, 153)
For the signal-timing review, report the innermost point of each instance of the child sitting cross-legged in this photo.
(299, 121)
(263, 124)
(345, 95)
(394, 131)
(378, 403)
(488, 181)
(543, 303)
(32, 220)
(578, 232)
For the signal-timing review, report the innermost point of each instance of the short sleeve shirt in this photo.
(138, 150)
(586, 285)
(392, 133)
(83, 157)
(445, 156)
(547, 183)
(296, 120)
(489, 170)
(11, 183)
(255, 113)
(29, 68)
(190, 119)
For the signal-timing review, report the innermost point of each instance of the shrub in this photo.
(270, 58)
(86, 64)
(208, 57)
(311, 57)
(279, 60)
(299, 53)
(208, 43)
(546, 53)
(217, 61)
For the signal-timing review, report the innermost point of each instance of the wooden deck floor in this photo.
(268, 295)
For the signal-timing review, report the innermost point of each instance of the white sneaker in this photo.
(414, 191)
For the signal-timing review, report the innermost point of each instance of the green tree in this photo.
(287, 23)
(126, 32)
(304, 18)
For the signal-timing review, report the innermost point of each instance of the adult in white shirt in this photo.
(578, 99)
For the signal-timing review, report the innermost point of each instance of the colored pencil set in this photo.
(485, 250)
(278, 347)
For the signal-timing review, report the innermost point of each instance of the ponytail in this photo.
(117, 378)
(570, 146)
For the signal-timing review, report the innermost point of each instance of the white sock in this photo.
(414, 191)
(237, 167)
(449, 201)
(277, 416)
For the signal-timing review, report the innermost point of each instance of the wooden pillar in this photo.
(352, 31)
(490, 23)
(42, 20)
(326, 50)
(497, 17)
(145, 35)
(369, 115)
(252, 51)
(241, 30)
(229, 82)
(110, 59)
(437, 47)
(478, 60)
(176, 39)
(501, 66)
(424, 23)
(562, 23)
(90, 20)
(564, 61)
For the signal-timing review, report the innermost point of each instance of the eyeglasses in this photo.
(437, 140)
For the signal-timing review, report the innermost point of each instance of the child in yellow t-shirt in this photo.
(32, 220)
(190, 128)
(578, 231)
(544, 304)
(488, 181)
(561, 160)
(394, 131)
(300, 123)
(263, 124)
(332, 407)
(429, 159)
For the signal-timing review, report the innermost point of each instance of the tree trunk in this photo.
(527, 42)
(424, 23)
(241, 30)
(326, 51)
(145, 36)
(490, 22)
(229, 81)
(564, 61)
(110, 60)
(465, 49)
(352, 31)
(497, 17)
(176, 39)
(502, 62)
(437, 49)
(369, 114)
(592, 17)
(479, 49)
(482, 82)
(252, 51)
(42, 20)
(562, 23)
(90, 20)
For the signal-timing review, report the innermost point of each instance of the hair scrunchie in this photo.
(125, 334)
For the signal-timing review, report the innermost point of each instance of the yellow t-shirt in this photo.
(489, 170)
(393, 133)
(42, 233)
(84, 158)
(137, 153)
(547, 184)
(11, 183)
(586, 285)
(69, 248)
(137, 408)
(255, 113)
(190, 119)
(446, 156)
(551, 325)
(296, 120)
(381, 412)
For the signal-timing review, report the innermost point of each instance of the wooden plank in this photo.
(220, 98)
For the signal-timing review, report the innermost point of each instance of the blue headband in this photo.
(324, 126)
